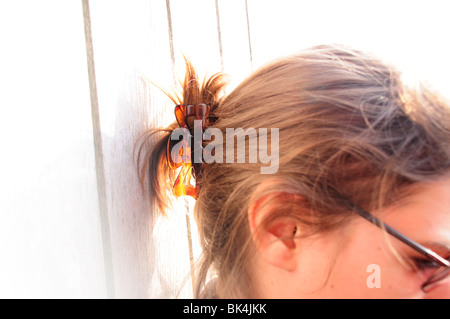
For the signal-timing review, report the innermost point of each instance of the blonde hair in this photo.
(348, 128)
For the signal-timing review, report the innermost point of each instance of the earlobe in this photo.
(275, 241)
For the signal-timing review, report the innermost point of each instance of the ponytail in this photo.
(151, 147)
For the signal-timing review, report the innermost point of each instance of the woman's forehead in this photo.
(424, 214)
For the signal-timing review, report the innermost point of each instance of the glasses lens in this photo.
(438, 277)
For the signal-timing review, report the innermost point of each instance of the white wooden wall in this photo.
(75, 94)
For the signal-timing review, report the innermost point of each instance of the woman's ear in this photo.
(275, 240)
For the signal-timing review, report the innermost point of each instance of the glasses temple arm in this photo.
(416, 246)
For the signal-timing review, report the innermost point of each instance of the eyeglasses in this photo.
(443, 270)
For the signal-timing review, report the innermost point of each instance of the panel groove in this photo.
(219, 34)
(249, 38)
(99, 158)
(172, 51)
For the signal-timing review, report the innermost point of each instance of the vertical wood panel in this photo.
(197, 32)
(194, 25)
(120, 34)
(50, 238)
(169, 248)
(131, 50)
(236, 44)
(214, 37)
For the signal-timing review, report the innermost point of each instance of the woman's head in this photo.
(349, 134)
